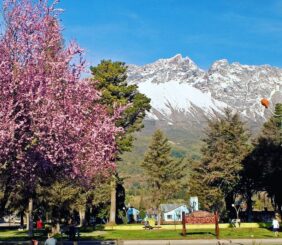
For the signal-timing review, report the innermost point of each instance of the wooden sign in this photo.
(200, 220)
(200, 217)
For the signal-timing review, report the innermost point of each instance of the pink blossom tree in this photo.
(49, 117)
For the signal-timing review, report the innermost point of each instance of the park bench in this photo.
(150, 225)
(200, 217)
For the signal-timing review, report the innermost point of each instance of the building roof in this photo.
(170, 207)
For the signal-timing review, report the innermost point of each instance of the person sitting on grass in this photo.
(275, 226)
(51, 240)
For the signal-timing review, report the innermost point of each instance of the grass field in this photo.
(227, 233)
(176, 234)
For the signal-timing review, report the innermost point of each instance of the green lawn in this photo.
(176, 234)
(154, 234)
(15, 235)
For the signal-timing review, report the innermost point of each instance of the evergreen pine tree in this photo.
(215, 177)
(110, 78)
(210, 197)
(272, 129)
(164, 174)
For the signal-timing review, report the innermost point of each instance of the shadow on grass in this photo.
(196, 233)
(265, 225)
(12, 234)
(7, 234)
(96, 238)
(89, 229)
(7, 239)
(16, 235)
(8, 228)
(268, 227)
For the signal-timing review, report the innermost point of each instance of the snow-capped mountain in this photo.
(182, 92)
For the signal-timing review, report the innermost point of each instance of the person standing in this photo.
(275, 226)
(39, 224)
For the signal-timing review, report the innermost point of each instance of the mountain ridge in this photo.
(224, 84)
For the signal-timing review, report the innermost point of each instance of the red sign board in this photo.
(200, 217)
(200, 220)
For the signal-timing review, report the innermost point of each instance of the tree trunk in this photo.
(27, 220)
(87, 215)
(22, 219)
(81, 216)
(229, 200)
(57, 228)
(249, 207)
(159, 215)
(113, 202)
(30, 218)
(279, 205)
(7, 193)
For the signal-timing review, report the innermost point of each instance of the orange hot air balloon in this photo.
(265, 102)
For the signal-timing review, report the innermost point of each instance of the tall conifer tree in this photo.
(164, 174)
(272, 129)
(111, 77)
(216, 176)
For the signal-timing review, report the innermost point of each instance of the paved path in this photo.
(64, 243)
(165, 242)
(206, 242)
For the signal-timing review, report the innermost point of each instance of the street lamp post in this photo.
(237, 208)
(125, 211)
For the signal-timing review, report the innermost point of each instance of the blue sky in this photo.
(142, 31)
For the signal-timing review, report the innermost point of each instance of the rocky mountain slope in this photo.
(182, 92)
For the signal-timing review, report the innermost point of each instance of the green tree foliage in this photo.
(58, 199)
(215, 177)
(272, 129)
(101, 199)
(164, 174)
(16, 199)
(210, 197)
(263, 168)
(111, 77)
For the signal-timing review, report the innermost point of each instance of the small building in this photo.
(194, 203)
(173, 212)
(132, 215)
